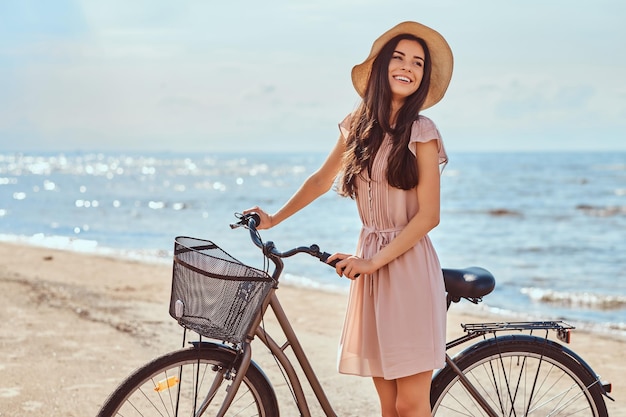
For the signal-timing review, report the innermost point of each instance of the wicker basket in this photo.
(213, 293)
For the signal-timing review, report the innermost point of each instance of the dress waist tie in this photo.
(374, 240)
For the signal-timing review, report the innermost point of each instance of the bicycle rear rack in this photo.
(562, 329)
(474, 330)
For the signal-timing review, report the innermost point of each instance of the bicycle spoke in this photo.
(560, 406)
(492, 396)
(462, 408)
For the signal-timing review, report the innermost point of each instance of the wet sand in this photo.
(74, 325)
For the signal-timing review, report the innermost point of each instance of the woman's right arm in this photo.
(314, 186)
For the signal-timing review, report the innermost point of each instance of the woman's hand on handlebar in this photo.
(266, 219)
(351, 266)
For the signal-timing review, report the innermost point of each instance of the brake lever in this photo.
(243, 220)
(238, 224)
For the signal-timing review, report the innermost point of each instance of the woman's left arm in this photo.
(428, 197)
(426, 219)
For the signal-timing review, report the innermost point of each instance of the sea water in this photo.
(551, 227)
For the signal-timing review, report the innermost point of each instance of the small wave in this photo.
(53, 242)
(86, 246)
(576, 299)
(500, 212)
(601, 211)
(304, 282)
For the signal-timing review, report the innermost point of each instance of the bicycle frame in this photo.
(279, 353)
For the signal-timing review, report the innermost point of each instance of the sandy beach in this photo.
(74, 325)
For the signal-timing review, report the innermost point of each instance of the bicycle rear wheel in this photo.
(178, 383)
(518, 375)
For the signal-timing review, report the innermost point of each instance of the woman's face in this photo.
(406, 69)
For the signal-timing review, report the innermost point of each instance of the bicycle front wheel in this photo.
(518, 375)
(186, 381)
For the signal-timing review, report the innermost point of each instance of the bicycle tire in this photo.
(184, 377)
(519, 375)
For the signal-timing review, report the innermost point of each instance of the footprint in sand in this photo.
(31, 405)
(9, 392)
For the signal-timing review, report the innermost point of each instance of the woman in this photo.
(388, 159)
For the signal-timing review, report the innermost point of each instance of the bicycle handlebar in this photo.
(252, 220)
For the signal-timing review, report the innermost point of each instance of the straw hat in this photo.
(440, 56)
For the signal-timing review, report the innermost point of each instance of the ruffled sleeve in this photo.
(344, 126)
(424, 130)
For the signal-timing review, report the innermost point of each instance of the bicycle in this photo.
(508, 371)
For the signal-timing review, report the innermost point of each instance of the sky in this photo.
(208, 76)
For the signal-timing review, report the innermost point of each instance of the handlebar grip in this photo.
(324, 256)
(253, 217)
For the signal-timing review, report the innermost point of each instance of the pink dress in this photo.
(395, 322)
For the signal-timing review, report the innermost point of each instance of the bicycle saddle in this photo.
(472, 283)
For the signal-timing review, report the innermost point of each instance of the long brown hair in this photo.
(371, 121)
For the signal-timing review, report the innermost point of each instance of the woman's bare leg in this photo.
(414, 395)
(405, 397)
(387, 394)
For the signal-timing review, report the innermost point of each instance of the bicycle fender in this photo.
(231, 351)
(459, 357)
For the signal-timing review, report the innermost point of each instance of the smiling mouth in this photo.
(402, 78)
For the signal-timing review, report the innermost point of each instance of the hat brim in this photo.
(441, 58)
